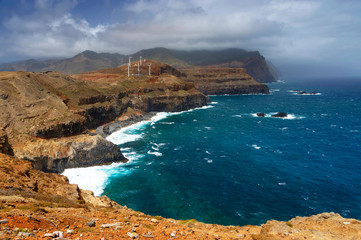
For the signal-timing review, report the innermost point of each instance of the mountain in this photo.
(83, 62)
(254, 63)
(196, 57)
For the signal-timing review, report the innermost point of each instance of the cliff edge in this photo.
(49, 118)
(220, 81)
(37, 205)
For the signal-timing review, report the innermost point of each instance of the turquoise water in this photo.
(224, 165)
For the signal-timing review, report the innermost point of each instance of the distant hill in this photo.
(197, 57)
(254, 63)
(83, 62)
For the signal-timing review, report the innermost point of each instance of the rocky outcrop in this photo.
(219, 81)
(328, 226)
(18, 177)
(5, 146)
(54, 155)
(280, 115)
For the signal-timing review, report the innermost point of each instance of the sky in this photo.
(300, 37)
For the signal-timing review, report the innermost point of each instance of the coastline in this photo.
(78, 174)
(109, 128)
(329, 225)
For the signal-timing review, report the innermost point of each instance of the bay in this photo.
(225, 165)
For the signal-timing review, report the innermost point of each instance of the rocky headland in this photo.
(51, 121)
(220, 81)
(50, 118)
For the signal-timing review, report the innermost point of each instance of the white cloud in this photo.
(283, 30)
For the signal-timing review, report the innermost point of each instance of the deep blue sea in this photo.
(222, 164)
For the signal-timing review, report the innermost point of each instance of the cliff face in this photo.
(254, 63)
(19, 178)
(217, 81)
(256, 66)
(5, 147)
(45, 114)
(57, 154)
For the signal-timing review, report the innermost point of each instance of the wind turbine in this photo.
(149, 68)
(129, 66)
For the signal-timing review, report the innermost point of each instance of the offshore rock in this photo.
(280, 115)
(261, 114)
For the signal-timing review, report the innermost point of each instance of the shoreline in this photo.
(74, 175)
(109, 128)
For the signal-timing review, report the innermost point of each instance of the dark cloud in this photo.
(304, 32)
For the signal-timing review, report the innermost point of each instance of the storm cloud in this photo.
(294, 35)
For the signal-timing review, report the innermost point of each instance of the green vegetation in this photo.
(158, 217)
(189, 221)
(149, 226)
(25, 230)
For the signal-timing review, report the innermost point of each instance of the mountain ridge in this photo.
(88, 60)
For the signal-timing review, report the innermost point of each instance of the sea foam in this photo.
(96, 178)
(132, 132)
(93, 178)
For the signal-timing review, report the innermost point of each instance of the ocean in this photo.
(223, 164)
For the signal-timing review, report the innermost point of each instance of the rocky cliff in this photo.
(5, 146)
(254, 63)
(38, 205)
(47, 117)
(218, 81)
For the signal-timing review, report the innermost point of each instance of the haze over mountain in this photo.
(254, 62)
(302, 38)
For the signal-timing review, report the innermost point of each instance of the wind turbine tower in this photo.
(129, 66)
(149, 68)
(138, 68)
(140, 60)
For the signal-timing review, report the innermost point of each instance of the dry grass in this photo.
(44, 200)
